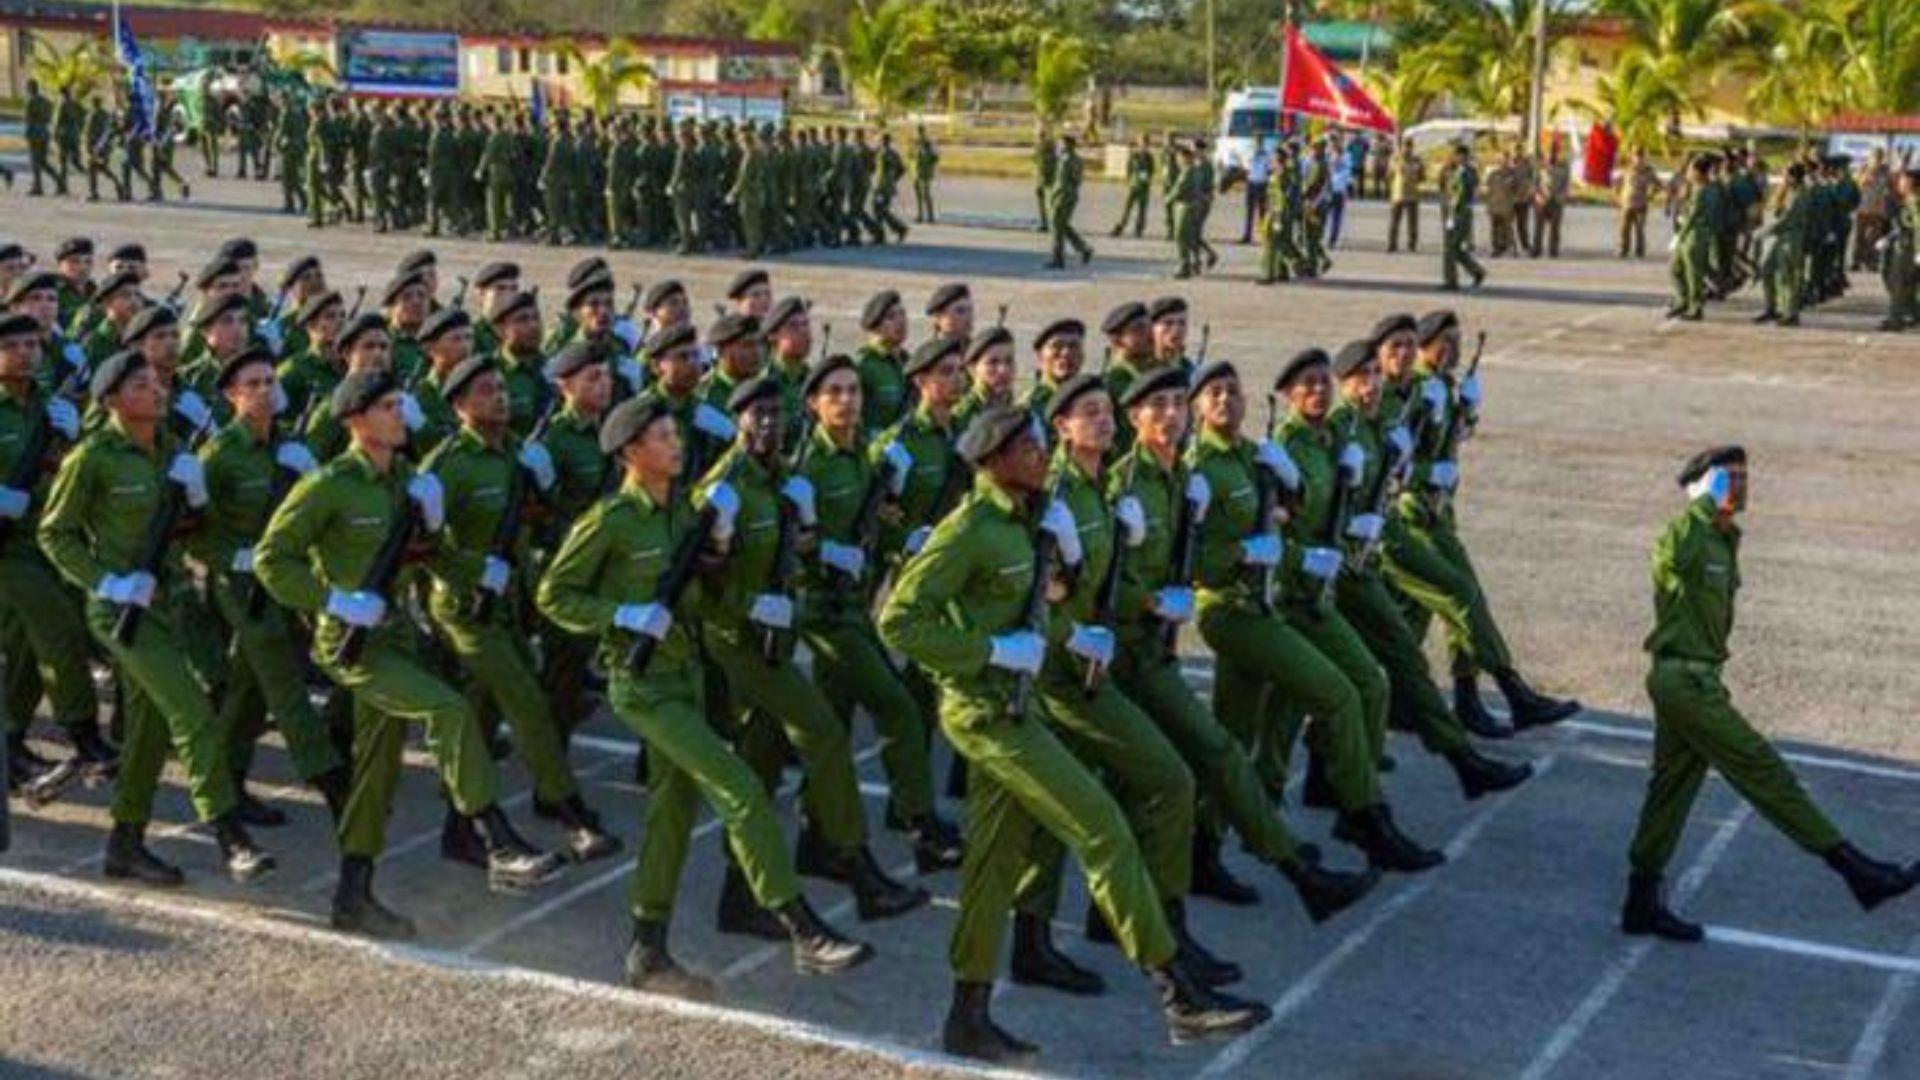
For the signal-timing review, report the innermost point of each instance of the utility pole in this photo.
(1213, 105)
(1537, 99)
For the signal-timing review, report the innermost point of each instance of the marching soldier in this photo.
(1063, 197)
(950, 307)
(1044, 160)
(1457, 191)
(39, 131)
(884, 393)
(1693, 227)
(67, 122)
(1403, 194)
(1634, 193)
(1059, 351)
(1898, 266)
(889, 169)
(1783, 267)
(309, 373)
(1552, 186)
(926, 160)
(992, 370)
(1140, 168)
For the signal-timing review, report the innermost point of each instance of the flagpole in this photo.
(1286, 51)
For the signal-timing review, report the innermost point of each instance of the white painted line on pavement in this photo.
(229, 918)
(1873, 1038)
(1797, 757)
(835, 916)
(191, 831)
(1233, 1056)
(1842, 954)
(1623, 967)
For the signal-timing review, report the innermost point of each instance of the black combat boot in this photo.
(740, 913)
(356, 911)
(1326, 893)
(1528, 707)
(246, 861)
(1196, 1012)
(1373, 831)
(92, 747)
(460, 839)
(1646, 913)
(513, 865)
(1211, 877)
(252, 811)
(1481, 775)
(1317, 793)
(1872, 882)
(970, 1032)
(877, 896)
(335, 787)
(1197, 959)
(1036, 962)
(651, 968)
(936, 844)
(128, 858)
(1472, 713)
(586, 839)
(814, 858)
(819, 949)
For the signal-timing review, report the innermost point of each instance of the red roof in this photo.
(760, 88)
(1886, 124)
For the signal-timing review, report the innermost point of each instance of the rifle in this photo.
(252, 595)
(172, 299)
(786, 555)
(459, 301)
(359, 298)
(388, 561)
(1106, 603)
(1206, 339)
(673, 582)
(153, 549)
(506, 532)
(1336, 520)
(1034, 619)
(866, 517)
(28, 466)
(1450, 428)
(633, 301)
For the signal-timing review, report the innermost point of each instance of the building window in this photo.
(526, 60)
(561, 59)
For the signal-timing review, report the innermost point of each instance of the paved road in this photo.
(1501, 964)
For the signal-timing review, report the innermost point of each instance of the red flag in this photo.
(1316, 88)
(1603, 148)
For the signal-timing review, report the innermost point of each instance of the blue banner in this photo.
(140, 96)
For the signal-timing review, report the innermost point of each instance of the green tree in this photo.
(1643, 99)
(86, 68)
(1060, 71)
(884, 53)
(603, 77)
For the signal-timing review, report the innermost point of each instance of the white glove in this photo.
(1093, 643)
(242, 561)
(495, 574)
(1400, 441)
(1021, 652)
(726, 509)
(1271, 457)
(1133, 520)
(1320, 562)
(845, 558)
(1471, 393)
(628, 333)
(536, 459)
(772, 610)
(14, 503)
(135, 589)
(357, 608)
(73, 354)
(1174, 604)
(648, 620)
(713, 422)
(1199, 496)
(430, 498)
(294, 457)
(411, 413)
(916, 540)
(280, 400)
(193, 408)
(1058, 520)
(271, 335)
(630, 370)
(1353, 464)
(1673, 244)
(1715, 483)
(1434, 393)
(1365, 528)
(64, 417)
(186, 471)
(898, 461)
(1444, 476)
(798, 490)
(1262, 550)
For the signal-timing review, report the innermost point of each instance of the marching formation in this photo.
(336, 515)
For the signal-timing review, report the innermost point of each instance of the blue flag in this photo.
(140, 97)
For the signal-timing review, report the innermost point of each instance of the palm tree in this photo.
(603, 77)
(1880, 53)
(308, 65)
(884, 53)
(1480, 51)
(1060, 69)
(1797, 72)
(1682, 46)
(1642, 99)
(83, 68)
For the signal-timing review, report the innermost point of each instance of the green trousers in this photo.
(1456, 253)
(1134, 210)
(1023, 780)
(266, 678)
(499, 211)
(1690, 269)
(1428, 565)
(44, 640)
(1341, 645)
(1186, 238)
(1060, 224)
(923, 198)
(1697, 727)
(1369, 607)
(851, 668)
(1898, 273)
(783, 709)
(390, 687)
(1153, 786)
(1228, 786)
(689, 763)
(1265, 669)
(1782, 273)
(1279, 258)
(163, 702)
(683, 217)
(565, 663)
(501, 672)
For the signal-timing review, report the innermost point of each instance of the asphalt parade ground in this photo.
(1503, 963)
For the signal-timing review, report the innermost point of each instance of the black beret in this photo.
(1300, 364)
(586, 270)
(1209, 371)
(311, 310)
(73, 245)
(297, 267)
(115, 370)
(754, 389)
(205, 315)
(252, 354)
(1121, 317)
(1170, 377)
(944, 296)
(744, 280)
(1059, 328)
(363, 324)
(463, 373)
(1435, 323)
(1166, 306)
(123, 253)
(1698, 465)
(1352, 356)
(360, 390)
(213, 271)
(510, 305)
(17, 324)
(11, 250)
(29, 283)
(572, 357)
(629, 420)
(593, 286)
(496, 272)
(874, 312)
(1073, 388)
(929, 354)
(401, 283)
(416, 262)
(113, 283)
(672, 339)
(661, 292)
(1391, 325)
(238, 248)
(146, 321)
(993, 429)
(444, 321)
(987, 339)
(819, 372)
(730, 328)
(781, 313)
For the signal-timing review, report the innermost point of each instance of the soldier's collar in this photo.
(1003, 500)
(1216, 441)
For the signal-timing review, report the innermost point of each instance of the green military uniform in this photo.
(1897, 268)
(1783, 268)
(1458, 190)
(749, 196)
(582, 475)
(1140, 168)
(883, 389)
(889, 169)
(1694, 228)
(67, 123)
(925, 161)
(1280, 256)
(1188, 202)
(1044, 160)
(1063, 198)
(290, 136)
(39, 131)
(99, 138)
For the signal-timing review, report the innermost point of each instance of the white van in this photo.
(1249, 118)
